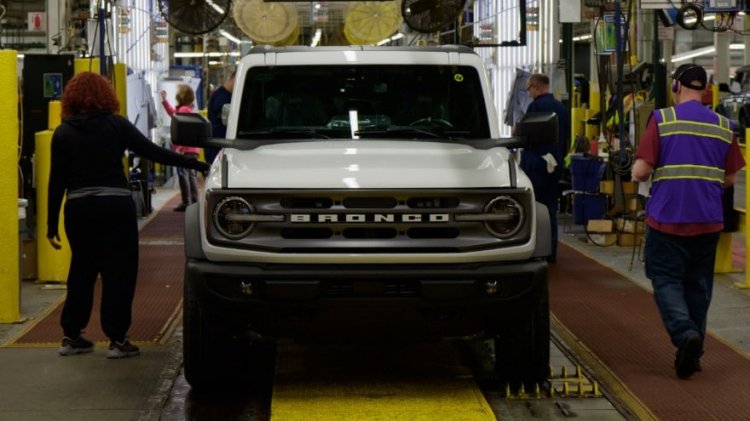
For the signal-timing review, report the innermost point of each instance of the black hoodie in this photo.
(88, 151)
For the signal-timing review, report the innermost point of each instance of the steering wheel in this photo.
(432, 121)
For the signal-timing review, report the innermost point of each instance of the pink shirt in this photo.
(180, 109)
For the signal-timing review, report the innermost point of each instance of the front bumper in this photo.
(359, 301)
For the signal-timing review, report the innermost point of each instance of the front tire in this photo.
(217, 355)
(522, 348)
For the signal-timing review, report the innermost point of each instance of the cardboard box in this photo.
(629, 187)
(633, 204)
(630, 226)
(603, 239)
(600, 225)
(629, 239)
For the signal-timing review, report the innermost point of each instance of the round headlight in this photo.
(507, 217)
(231, 217)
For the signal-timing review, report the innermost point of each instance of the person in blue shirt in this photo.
(222, 95)
(543, 164)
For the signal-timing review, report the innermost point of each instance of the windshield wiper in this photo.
(400, 131)
(282, 133)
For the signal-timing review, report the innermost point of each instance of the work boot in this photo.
(688, 356)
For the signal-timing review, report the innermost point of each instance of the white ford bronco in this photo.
(364, 193)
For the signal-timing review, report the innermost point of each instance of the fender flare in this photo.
(543, 232)
(193, 249)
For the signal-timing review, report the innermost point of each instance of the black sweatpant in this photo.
(103, 235)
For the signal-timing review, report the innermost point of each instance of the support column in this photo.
(10, 285)
(52, 264)
(54, 13)
(721, 57)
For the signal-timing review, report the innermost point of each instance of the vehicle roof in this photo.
(263, 49)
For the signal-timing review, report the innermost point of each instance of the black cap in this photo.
(689, 74)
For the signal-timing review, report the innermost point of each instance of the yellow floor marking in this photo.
(10, 343)
(376, 382)
(617, 390)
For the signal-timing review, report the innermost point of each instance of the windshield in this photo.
(357, 101)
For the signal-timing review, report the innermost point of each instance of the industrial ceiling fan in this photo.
(195, 16)
(430, 15)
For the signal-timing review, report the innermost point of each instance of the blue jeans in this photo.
(681, 270)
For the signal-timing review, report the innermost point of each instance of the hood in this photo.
(86, 120)
(369, 164)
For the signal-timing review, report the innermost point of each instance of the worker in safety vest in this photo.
(691, 155)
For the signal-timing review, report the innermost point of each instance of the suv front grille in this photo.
(364, 221)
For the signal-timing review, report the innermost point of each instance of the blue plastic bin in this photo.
(585, 173)
(588, 206)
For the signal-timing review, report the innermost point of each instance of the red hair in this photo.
(87, 92)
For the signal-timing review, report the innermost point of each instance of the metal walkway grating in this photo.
(618, 322)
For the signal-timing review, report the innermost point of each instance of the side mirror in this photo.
(190, 129)
(538, 128)
(225, 114)
(723, 87)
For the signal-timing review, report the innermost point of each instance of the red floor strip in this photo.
(618, 321)
(158, 292)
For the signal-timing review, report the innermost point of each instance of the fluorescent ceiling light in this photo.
(693, 54)
(229, 36)
(705, 51)
(706, 18)
(316, 38)
(215, 7)
(393, 38)
(187, 55)
(211, 54)
(578, 38)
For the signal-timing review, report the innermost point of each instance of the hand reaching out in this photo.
(55, 242)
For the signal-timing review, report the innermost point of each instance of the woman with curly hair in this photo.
(100, 215)
(187, 178)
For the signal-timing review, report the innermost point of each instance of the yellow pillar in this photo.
(10, 288)
(55, 115)
(120, 82)
(591, 130)
(81, 65)
(746, 284)
(594, 98)
(52, 265)
(723, 263)
(714, 96)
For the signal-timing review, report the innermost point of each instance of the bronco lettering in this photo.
(370, 218)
